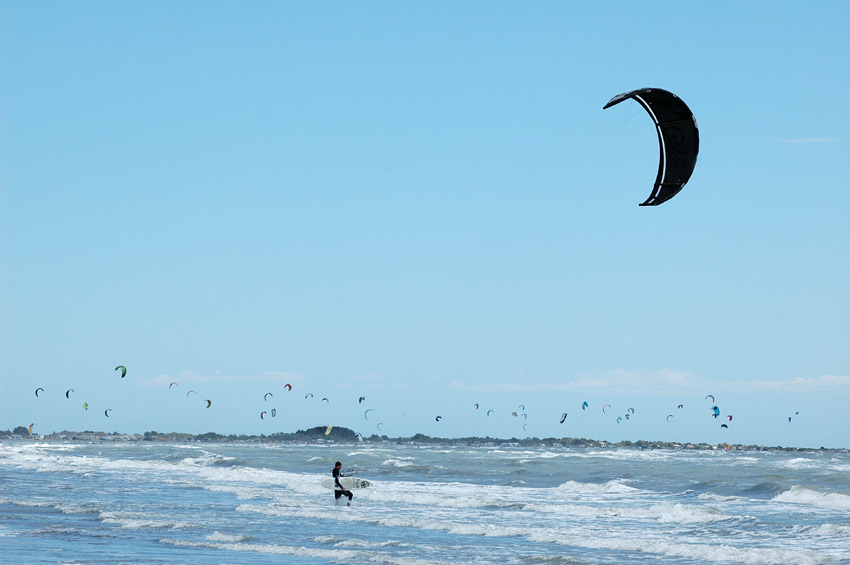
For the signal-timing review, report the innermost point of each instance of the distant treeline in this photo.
(345, 435)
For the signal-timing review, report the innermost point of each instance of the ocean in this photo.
(222, 503)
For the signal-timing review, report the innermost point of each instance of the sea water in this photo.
(216, 503)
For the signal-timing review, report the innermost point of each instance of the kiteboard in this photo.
(346, 482)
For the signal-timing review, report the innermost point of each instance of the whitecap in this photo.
(229, 538)
(802, 495)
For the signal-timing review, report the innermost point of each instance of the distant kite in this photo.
(123, 370)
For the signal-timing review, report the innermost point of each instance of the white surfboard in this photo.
(346, 482)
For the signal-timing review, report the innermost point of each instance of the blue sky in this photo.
(424, 204)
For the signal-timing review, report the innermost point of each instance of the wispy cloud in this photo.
(369, 377)
(196, 378)
(802, 384)
(811, 140)
(615, 380)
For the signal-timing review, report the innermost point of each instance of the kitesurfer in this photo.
(340, 490)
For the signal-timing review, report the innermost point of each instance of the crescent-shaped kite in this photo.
(678, 138)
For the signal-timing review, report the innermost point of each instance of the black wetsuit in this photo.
(340, 490)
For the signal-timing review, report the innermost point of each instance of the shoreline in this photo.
(345, 436)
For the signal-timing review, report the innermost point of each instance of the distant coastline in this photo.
(342, 435)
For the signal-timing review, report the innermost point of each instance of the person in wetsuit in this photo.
(340, 490)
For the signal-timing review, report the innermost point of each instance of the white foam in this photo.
(610, 487)
(228, 538)
(361, 453)
(802, 495)
(698, 552)
(798, 463)
(664, 512)
(336, 555)
(832, 530)
(398, 463)
(139, 521)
